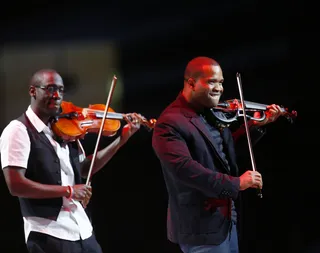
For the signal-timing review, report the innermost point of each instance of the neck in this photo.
(43, 118)
(189, 98)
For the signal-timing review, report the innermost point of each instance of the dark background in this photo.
(269, 43)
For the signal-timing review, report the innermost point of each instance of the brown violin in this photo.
(75, 122)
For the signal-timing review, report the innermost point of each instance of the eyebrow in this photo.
(215, 80)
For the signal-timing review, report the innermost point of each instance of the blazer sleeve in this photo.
(171, 148)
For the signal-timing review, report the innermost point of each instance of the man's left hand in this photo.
(273, 112)
(133, 120)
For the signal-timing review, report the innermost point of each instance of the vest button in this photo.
(56, 160)
(59, 182)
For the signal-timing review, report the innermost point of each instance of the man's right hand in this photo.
(250, 179)
(81, 192)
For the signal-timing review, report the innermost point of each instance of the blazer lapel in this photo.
(196, 121)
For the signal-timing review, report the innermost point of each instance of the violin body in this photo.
(234, 107)
(75, 122)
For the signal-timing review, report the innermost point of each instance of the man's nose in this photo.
(218, 87)
(56, 94)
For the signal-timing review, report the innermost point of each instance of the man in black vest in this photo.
(198, 161)
(45, 173)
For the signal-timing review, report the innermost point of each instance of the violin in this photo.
(75, 122)
(240, 107)
(233, 109)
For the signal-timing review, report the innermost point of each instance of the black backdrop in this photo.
(266, 42)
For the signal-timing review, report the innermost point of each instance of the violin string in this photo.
(94, 112)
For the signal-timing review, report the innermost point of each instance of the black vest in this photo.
(44, 167)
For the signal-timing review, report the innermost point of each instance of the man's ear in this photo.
(191, 82)
(32, 91)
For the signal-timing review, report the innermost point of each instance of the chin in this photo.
(53, 111)
(213, 103)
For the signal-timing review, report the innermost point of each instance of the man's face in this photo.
(208, 87)
(48, 94)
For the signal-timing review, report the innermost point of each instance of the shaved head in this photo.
(46, 77)
(198, 66)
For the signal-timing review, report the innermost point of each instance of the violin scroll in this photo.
(149, 124)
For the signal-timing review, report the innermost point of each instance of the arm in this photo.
(256, 132)
(257, 129)
(103, 156)
(15, 149)
(21, 186)
(174, 155)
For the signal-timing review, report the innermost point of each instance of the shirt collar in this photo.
(36, 122)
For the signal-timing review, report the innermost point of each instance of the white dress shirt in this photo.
(72, 222)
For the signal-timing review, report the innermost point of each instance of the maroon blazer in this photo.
(199, 183)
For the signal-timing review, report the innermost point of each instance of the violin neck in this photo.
(110, 115)
(248, 104)
(254, 105)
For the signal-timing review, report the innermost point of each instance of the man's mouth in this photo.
(54, 104)
(215, 95)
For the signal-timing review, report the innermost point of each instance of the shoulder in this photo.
(15, 127)
(14, 132)
(173, 113)
(172, 116)
(172, 123)
(14, 143)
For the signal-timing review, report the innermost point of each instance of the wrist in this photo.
(252, 123)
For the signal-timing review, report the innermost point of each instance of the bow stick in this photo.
(113, 83)
(247, 128)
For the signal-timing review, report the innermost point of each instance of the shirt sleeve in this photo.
(15, 145)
